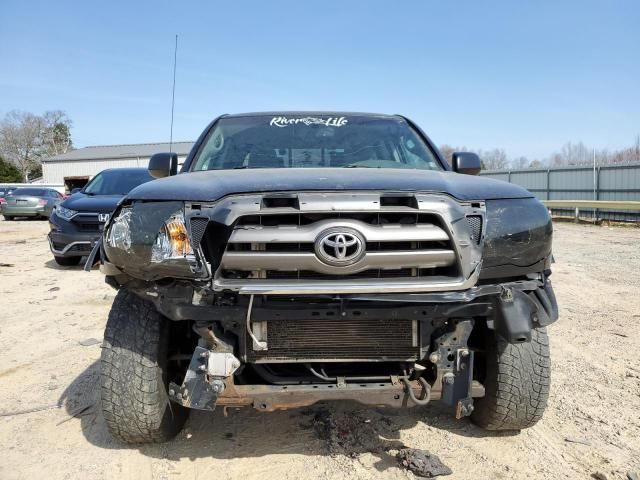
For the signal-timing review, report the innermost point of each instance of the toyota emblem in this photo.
(340, 247)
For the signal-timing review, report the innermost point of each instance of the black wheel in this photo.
(8, 218)
(135, 373)
(67, 261)
(516, 383)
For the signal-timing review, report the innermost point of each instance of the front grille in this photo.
(311, 275)
(326, 339)
(198, 227)
(396, 245)
(89, 227)
(412, 243)
(87, 222)
(475, 225)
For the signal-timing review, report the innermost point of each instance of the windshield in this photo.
(116, 182)
(299, 141)
(32, 192)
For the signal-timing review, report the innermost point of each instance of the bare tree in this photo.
(570, 154)
(57, 133)
(447, 152)
(536, 164)
(520, 162)
(495, 159)
(575, 154)
(21, 142)
(25, 138)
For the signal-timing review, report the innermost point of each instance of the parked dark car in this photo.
(324, 256)
(30, 202)
(76, 223)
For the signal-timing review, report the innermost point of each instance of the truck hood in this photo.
(209, 186)
(92, 203)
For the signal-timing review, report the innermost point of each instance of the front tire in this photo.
(516, 383)
(135, 375)
(67, 261)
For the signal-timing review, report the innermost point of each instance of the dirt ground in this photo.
(592, 423)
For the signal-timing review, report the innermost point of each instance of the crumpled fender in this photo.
(517, 312)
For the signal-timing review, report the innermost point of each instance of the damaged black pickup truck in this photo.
(303, 256)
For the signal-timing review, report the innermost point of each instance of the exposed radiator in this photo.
(337, 339)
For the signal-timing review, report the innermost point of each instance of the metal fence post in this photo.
(548, 187)
(597, 193)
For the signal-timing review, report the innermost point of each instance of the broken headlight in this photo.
(150, 240)
(518, 237)
(119, 234)
(172, 241)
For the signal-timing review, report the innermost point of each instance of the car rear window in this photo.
(33, 192)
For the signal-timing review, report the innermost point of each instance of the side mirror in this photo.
(466, 162)
(163, 164)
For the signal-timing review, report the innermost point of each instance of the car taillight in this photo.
(42, 201)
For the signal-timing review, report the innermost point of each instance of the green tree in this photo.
(9, 173)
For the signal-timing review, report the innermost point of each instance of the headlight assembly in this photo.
(119, 234)
(517, 238)
(150, 240)
(65, 213)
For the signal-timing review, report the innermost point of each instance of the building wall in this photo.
(54, 172)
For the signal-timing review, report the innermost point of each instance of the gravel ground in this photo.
(592, 425)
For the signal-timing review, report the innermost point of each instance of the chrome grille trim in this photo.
(374, 285)
(308, 233)
(294, 261)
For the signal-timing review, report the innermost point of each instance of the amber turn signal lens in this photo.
(179, 238)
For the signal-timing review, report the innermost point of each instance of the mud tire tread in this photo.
(135, 404)
(516, 384)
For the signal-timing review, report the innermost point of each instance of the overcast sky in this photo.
(485, 74)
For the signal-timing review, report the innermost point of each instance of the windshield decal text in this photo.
(327, 122)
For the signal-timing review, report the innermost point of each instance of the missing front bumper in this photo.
(268, 398)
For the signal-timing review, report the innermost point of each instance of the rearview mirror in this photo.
(163, 164)
(466, 162)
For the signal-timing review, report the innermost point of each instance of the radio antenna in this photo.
(173, 91)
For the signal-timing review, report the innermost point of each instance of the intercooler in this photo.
(337, 340)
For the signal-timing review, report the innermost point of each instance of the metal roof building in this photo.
(76, 167)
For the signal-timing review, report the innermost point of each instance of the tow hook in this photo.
(204, 381)
(425, 395)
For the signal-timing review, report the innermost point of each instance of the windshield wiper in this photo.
(240, 167)
(359, 166)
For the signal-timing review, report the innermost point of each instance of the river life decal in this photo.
(327, 122)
